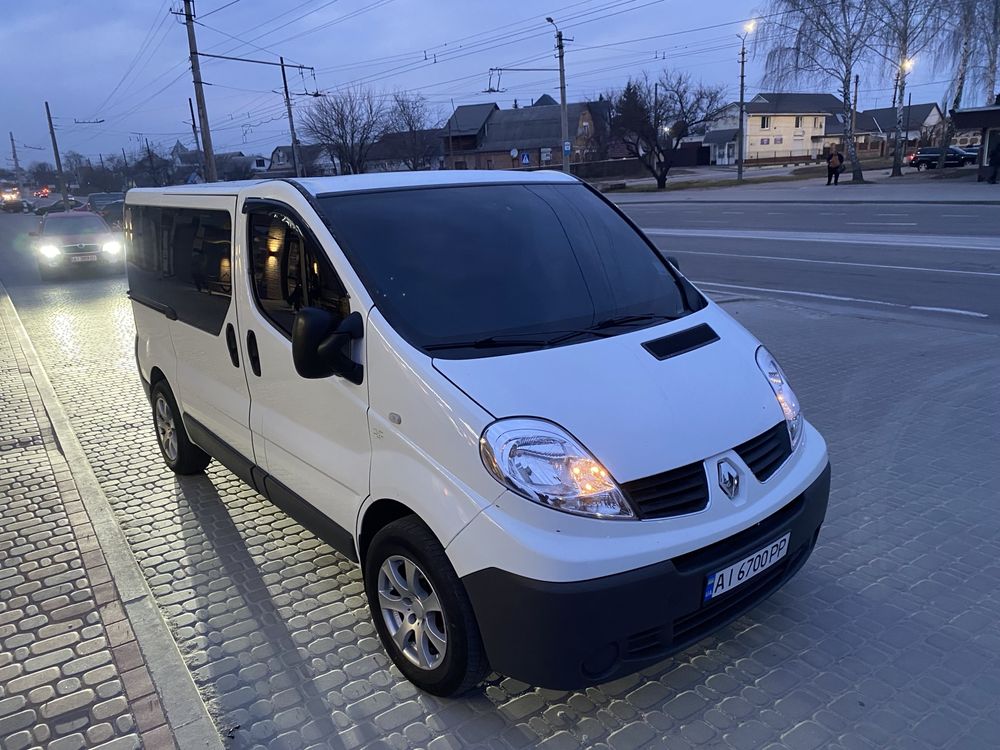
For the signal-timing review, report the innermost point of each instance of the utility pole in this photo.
(55, 152)
(854, 105)
(564, 115)
(748, 29)
(194, 131)
(125, 178)
(17, 167)
(152, 165)
(296, 157)
(199, 95)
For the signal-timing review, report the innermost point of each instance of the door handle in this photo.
(234, 353)
(252, 354)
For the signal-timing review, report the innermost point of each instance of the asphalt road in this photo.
(937, 262)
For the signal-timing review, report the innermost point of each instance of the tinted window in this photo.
(181, 258)
(75, 225)
(459, 264)
(290, 272)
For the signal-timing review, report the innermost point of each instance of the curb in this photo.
(187, 715)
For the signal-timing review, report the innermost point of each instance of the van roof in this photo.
(372, 181)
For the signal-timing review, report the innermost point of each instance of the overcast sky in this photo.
(126, 61)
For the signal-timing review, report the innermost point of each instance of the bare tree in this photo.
(346, 124)
(652, 118)
(990, 47)
(955, 47)
(907, 28)
(820, 42)
(413, 127)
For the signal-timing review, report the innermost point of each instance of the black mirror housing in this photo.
(318, 342)
(672, 259)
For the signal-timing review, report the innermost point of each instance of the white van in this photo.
(552, 456)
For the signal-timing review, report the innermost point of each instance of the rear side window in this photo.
(181, 258)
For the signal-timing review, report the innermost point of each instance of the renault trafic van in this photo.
(552, 456)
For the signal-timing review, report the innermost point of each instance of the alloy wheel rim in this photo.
(412, 612)
(165, 431)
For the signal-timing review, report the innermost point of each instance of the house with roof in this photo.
(407, 150)
(316, 162)
(187, 164)
(984, 123)
(483, 136)
(920, 122)
(794, 124)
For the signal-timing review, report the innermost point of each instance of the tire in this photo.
(179, 453)
(461, 664)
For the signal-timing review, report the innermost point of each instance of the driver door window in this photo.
(290, 272)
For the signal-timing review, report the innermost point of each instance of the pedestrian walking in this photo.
(995, 163)
(834, 165)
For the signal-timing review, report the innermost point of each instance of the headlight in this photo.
(783, 392)
(49, 251)
(540, 461)
(112, 248)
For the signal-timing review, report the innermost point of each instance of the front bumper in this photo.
(65, 261)
(566, 636)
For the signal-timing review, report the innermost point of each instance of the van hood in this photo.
(637, 414)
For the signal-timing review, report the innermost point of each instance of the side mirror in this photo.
(672, 259)
(318, 343)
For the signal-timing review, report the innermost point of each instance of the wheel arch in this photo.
(376, 516)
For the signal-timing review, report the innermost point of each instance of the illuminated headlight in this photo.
(542, 462)
(49, 251)
(787, 400)
(112, 248)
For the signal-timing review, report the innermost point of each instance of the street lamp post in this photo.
(897, 157)
(748, 27)
(563, 114)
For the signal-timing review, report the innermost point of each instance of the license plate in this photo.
(82, 258)
(740, 572)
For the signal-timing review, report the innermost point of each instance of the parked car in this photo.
(69, 239)
(550, 453)
(97, 201)
(112, 213)
(58, 206)
(928, 158)
(973, 150)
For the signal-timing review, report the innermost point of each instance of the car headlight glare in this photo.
(787, 399)
(49, 251)
(112, 248)
(542, 462)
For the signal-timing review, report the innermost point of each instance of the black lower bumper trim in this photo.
(566, 636)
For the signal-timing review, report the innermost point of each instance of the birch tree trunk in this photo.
(852, 148)
(963, 69)
(897, 156)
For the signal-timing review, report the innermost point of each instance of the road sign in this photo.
(546, 154)
(566, 148)
(513, 153)
(526, 158)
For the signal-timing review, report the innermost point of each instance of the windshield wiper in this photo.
(625, 320)
(513, 340)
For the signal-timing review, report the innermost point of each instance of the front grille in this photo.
(765, 453)
(72, 249)
(671, 493)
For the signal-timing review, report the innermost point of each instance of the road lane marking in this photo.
(958, 216)
(842, 238)
(838, 263)
(881, 223)
(839, 298)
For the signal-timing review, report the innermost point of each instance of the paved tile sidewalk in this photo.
(72, 674)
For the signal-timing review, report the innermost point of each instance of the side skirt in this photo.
(281, 496)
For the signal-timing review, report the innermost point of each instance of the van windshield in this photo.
(472, 271)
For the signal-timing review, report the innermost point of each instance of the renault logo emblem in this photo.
(729, 478)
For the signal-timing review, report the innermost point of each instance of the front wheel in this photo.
(180, 454)
(421, 610)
